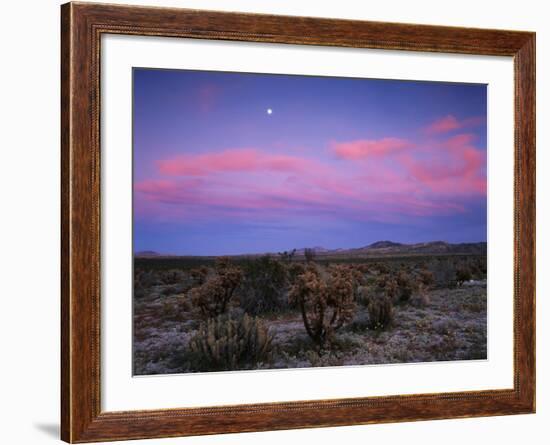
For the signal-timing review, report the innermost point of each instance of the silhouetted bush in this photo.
(287, 256)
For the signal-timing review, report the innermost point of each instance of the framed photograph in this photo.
(275, 222)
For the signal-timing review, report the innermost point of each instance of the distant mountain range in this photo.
(390, 247)
(379, 248)
(148, 254)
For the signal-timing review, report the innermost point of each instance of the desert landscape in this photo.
(383, 303)
(294, 221)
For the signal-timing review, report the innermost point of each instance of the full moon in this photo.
(269, 111)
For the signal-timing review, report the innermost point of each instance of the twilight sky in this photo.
(228, 163)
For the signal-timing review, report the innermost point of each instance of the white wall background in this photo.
(29, 235)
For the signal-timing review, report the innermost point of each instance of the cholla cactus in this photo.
(326, 305)
(382, 268)
(199, 274)
(406, 286)
(358, 281)
(426, 277)
(294, 270)
(170, 276)
(399, 288)
(388, 285)
(379, 302)
(380, 312)
(212, 298)
(363, 268)
(229, 342)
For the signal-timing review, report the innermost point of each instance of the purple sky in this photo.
(337, 163)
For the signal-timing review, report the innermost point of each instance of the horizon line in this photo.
(300, 249)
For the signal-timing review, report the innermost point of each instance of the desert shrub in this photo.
(263, 286)
(480, 267)
(329, 359)
(212, 298)
(405, 286)
(463, 274)
(421, 297)
(358, 281)
(139, 291)
(387, 285)
(173, 289)
(230, 342)
(198, 275)
(397, 288)
(325, 304)
(294, 270)
(148, 278)
(426, 277)
(372, 281)
(444, 273)
(139, 288)
(170, 276)
(376, 286)
(172, 309)
(383, 268)
(363, 293)
(380, 308)
(168, 290)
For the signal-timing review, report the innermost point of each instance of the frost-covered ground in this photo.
(451, 326)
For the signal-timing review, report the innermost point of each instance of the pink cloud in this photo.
(458, 141)
(180, 200)
(252, 184)
(234, 160)
(380, 197)
(458, 170)
(364, 148)
(450, 123)
(443, 125)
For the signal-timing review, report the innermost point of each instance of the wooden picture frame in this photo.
(82, 25)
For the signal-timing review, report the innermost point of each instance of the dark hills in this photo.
(383, 244)
(390, 247)
(147, 254)
(379, 248)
